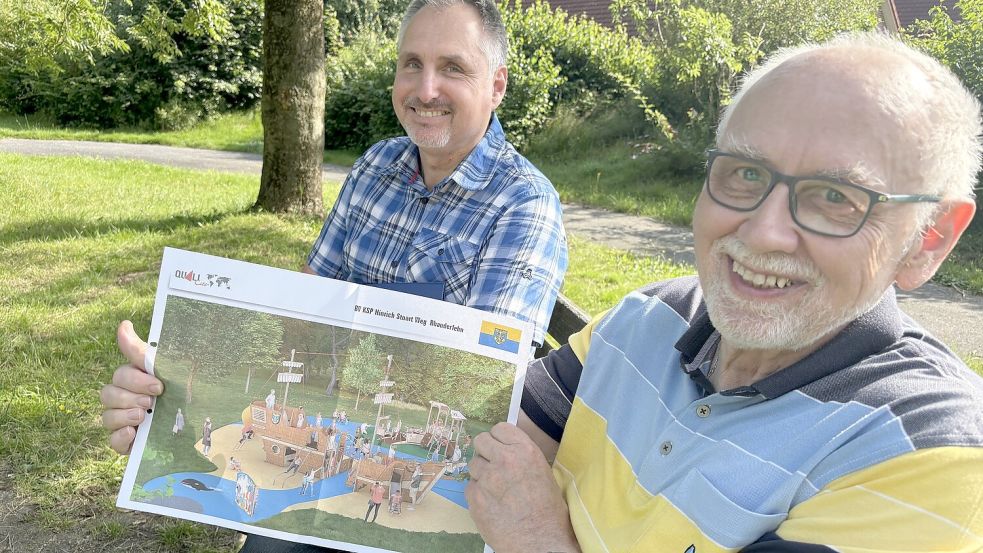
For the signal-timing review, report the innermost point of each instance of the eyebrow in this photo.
(453, 58)
(858, 174)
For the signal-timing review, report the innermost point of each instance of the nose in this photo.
(428, 87)
(770, 227)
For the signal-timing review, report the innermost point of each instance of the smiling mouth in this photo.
(761, 280)
(430, 112)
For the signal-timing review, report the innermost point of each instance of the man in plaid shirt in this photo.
(453, 202)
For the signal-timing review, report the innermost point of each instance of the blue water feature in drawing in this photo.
(217, 495)
(218, 499)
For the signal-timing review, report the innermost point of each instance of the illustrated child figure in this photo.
(308, 483)
(415, 482)
(301, 417)
(178, 422)
(271, 399)
(292, 469)
(395, 502)
(247, 434)
(234, 464)
(206, 436)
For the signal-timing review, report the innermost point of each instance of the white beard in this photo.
(430, 138)
(749, 324)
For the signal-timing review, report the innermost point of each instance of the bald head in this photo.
(921, 109)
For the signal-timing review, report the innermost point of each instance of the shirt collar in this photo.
(868, 334)
(475, 172)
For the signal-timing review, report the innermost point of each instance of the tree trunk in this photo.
(293, 106)
(190, 382)
(329, 391)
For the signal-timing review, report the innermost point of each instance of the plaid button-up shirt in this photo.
(491, 231)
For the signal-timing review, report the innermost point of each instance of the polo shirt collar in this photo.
(867, 335)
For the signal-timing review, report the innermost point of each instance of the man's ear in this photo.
(500, 81)
(936, 242)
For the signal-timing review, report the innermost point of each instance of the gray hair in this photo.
(950, 147)
(495, 48)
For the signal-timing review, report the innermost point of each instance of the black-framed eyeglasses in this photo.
(823, 205)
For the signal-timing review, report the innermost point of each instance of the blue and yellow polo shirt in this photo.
(870, 444)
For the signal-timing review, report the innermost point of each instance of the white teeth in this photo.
(430, 113)
(759, 280)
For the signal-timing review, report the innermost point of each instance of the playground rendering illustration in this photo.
(364, 442)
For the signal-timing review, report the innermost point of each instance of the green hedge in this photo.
(147, 87)
(553, 58)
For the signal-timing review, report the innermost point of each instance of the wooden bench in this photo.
(566, 319)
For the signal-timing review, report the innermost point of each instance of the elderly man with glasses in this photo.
(780, 401)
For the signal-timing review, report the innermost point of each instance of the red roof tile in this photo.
(597, 10)
(908, 11)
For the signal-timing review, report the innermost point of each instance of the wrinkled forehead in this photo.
(830, 113)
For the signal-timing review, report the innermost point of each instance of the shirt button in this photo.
(424, 200)
(703, 411)
(665, 448)
(393, 263)
(440, 251)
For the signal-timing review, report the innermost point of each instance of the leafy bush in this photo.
(702, 48)
(956, 44)
(350, 18)
(528, 104)
(552, 58)
(358, 103)
(594, 61)
(177, 71)
(358, 108)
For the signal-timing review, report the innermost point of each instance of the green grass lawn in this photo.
(599, 162)
(80, 247)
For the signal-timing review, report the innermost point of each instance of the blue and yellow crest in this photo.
(500, 337)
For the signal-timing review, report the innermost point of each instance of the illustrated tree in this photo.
(364, 369)
(292, 107)
(216, 340)
(324, 344)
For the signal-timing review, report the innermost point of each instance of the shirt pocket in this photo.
(438, 257)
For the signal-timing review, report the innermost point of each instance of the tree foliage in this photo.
(37, 33)
(347, 19)
(235, 338)
(704, 45)
(959, 45)
(364, 368)
(155, 64)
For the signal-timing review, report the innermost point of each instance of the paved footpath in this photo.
(956, 318)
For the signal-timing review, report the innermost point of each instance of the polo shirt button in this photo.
(665, 448)
(703, 411)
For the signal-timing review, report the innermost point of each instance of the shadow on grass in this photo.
(62, 228)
